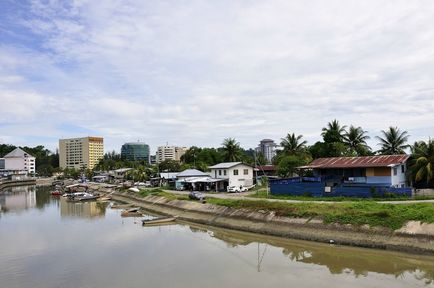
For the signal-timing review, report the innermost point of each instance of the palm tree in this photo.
(292, 145)
(394, 141)
(334, 132)
(355, 138)
(423, 163)
(231, 150)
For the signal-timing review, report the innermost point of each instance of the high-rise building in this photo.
(18, 162)
(80, 153)
(268, 148)
(135, 151)
(170, 153)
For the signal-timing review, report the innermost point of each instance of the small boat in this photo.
(160, 220)
(56, 193)
(82, 196)
(134, 209)
(131, 214)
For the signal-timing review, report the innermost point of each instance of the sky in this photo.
(196, 72)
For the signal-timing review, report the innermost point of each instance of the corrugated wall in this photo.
(317, 189)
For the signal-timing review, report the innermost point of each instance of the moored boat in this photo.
(160, 220)
(56, 193)
(81, 196)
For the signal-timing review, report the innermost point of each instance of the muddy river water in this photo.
(48, 242)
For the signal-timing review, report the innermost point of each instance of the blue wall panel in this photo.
(317, 189)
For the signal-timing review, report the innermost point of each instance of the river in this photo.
(48, 242)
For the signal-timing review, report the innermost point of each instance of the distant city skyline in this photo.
(194, 73)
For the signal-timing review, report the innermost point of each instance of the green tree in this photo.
(422, 168)
(333, 132)
(393, 141)
(287, 166)
(333, 136)
(169, 166)
(355, 139)
(231, 150)
(260, 159)
(292, 144)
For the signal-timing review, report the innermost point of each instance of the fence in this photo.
(318, 189)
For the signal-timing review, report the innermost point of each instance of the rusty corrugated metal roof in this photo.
(357, 162)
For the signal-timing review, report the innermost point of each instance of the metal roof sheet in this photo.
(192, 173)
(357, 162)
(225, 165)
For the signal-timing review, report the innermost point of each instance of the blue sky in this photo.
(196, 72)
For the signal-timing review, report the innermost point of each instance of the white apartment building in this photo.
(170, 153)
(80, 153)
(18, 162)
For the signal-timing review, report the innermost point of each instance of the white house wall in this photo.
(241, 179)
(399, 179)
(235, 180)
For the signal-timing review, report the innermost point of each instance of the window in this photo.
(224, 172)
(395, 171)
(235, 171)
(220, 172)
(246, 171)
(402, 168)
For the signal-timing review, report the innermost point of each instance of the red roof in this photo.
(357, 162)
(266, 168)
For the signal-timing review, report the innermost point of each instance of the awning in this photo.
(201, 180)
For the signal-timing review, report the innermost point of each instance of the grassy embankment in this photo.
(357, 213)
(262, 193)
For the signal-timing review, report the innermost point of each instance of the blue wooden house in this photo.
(368, 176)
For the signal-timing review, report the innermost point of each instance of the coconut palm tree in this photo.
(292, 144)
(393, 141)
(422, 167)
(355, 138)
(231, 150)
(334, 132)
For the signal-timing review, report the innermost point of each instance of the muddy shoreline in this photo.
(262, 222)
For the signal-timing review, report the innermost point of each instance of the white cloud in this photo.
(193, 73)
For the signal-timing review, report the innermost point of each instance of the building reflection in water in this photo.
(16, 199)
(91, 209)
(338, 260)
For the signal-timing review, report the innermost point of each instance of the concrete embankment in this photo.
(413, 238)
(12, 183)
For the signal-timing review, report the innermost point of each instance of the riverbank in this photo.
(45, 181)
(414, 237)
(12, 183)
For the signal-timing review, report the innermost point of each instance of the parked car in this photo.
(194, 195)
(236, 189)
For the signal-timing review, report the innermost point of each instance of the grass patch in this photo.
(356, 213)
(263, 195)
(147, 192)
(160, 192)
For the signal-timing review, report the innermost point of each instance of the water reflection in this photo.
(90, 209)
(114, 250)
(21, 198)
(16, 199)
(338, 260)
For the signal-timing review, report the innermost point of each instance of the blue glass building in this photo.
(135, 151)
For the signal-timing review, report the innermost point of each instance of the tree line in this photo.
(337, 140)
